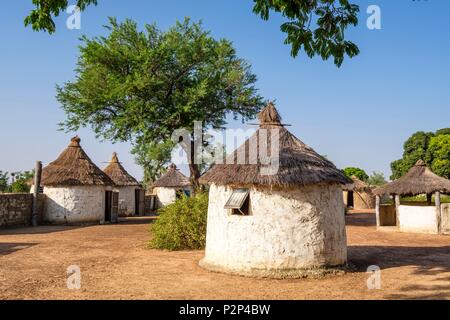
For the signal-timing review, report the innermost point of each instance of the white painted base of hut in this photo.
(74, 204)
(167, 196)
(288, 230)
(418, 219)
(127, 201)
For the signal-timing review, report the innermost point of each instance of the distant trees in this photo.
(433, 148)
(357, 172)
(19, 181)
(376, 179)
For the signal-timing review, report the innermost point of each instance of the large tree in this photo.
(433, 148)
(141, 86)
(315, 26)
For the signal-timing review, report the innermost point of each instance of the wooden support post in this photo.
(438, 212)
(397, 209)
(37, 185)
(377, 210)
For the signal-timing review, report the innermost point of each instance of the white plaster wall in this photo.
(127, 204)
(288, 229)
(165, 196)
(74, 204)
(420, 219)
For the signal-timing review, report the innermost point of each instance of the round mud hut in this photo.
(171, 186)
(76, 190)
(275, 207)
(359, 195)
(130, 190)
(428, 216)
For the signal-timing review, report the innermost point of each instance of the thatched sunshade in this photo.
(299, 164)
(357, 185)
(118, 174)
(419, 180)
(173, 178)
(74, 168)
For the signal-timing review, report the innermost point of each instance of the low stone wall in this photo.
(16, 209)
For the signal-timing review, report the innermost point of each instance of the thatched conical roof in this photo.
(74, 168)
(299, 164)
(419, 180)
(173, 178)
(357, 185)
(118, 174)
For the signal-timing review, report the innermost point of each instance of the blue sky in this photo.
(358, 115)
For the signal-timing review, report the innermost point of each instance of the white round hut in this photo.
(274, 220)
(128, 187)
(170, 186)
(76, 189)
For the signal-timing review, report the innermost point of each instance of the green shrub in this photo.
(182, 225)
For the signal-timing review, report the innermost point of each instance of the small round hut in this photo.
(170, 186)
(412, 216)
(275, 207)
(128, 187)
(76, 189)
(358, 195)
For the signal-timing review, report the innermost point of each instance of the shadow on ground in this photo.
(8, 248)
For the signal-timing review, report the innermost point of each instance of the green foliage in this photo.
(20, 184)
(4, 185)
(376, 179)
(182, 225)
(315, 26)
(357, 172)
(143, 85)
(41, 17)
(153, 158)
(433, 148)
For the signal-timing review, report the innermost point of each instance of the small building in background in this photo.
(358, 195)
(410, 216)
(131, 193)
(76, 190)
(275, 207)
(171, 186)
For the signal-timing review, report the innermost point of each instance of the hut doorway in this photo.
(137, 195)
(111, 206)
(108, 206)
(350, 199)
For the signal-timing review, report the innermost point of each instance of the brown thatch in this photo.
(299, 164)
(419, 180)
(74, 168)
(172, 179)
(357, 185)
(118, 174)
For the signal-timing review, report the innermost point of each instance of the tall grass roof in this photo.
(74, 168)
(173, 178)
(419, 180)
(118, 174)
(357, 185)
(299, 164)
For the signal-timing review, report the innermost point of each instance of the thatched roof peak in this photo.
(114, 158)
(419, 180)
(173, 178)
(298, 164)
(74, 168)
(269, 116)
(118, 174)
(75, 142)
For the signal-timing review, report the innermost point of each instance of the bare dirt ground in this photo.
(116, 263)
